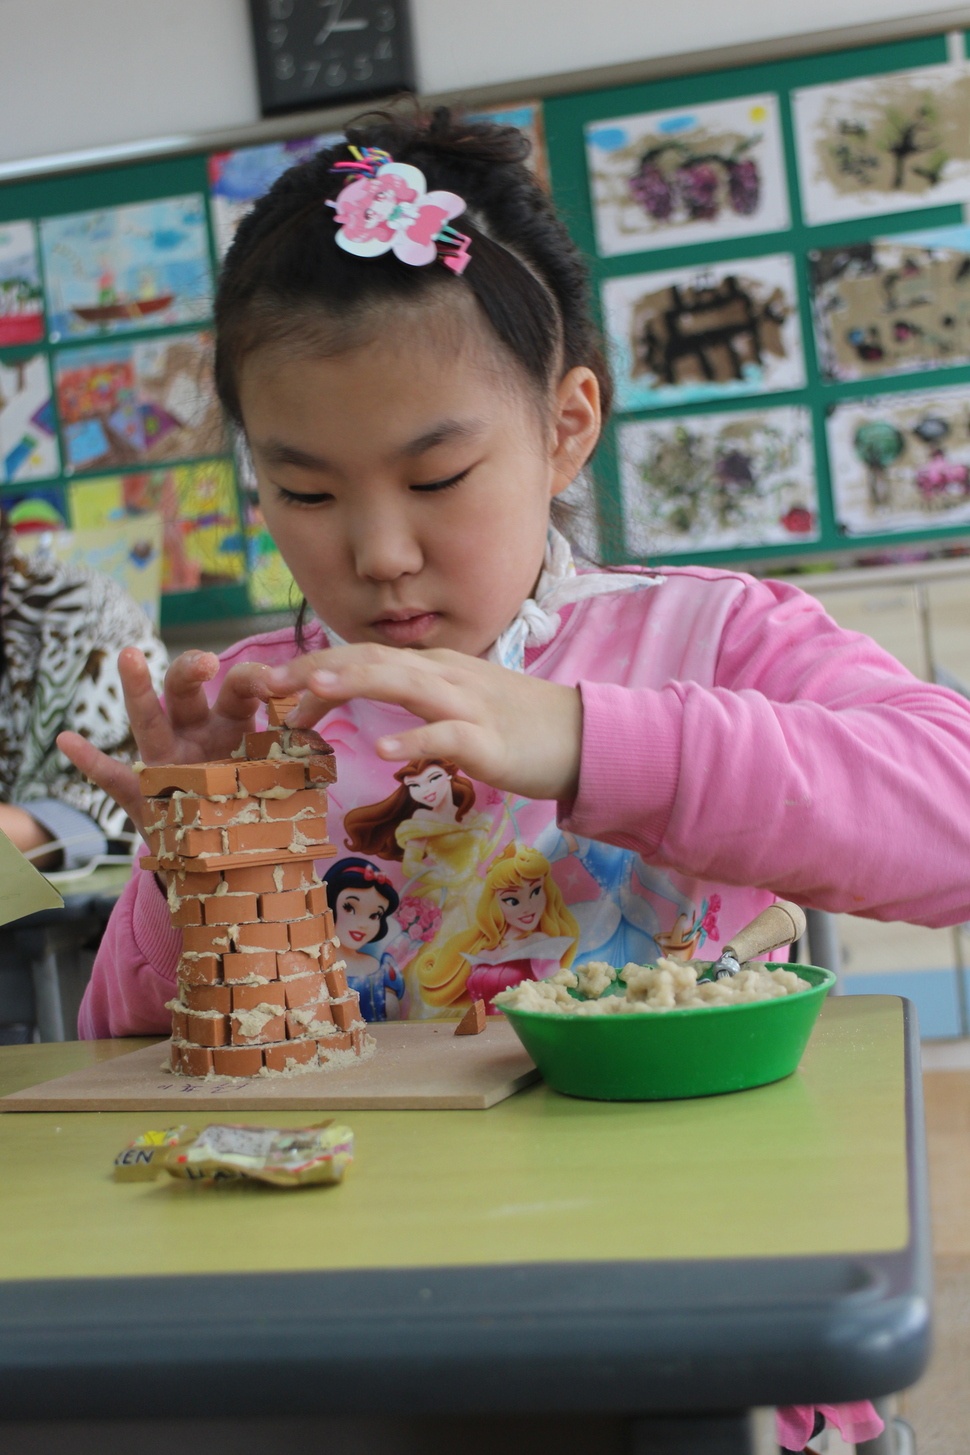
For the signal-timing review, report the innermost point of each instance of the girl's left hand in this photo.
(514, 732)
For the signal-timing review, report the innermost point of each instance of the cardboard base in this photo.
(416, 1065)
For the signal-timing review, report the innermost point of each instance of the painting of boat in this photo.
(102, 313)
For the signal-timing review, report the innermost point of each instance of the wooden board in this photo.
(415, 1065)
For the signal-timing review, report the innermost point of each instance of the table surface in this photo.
(776, 1238)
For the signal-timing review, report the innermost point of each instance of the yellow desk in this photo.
(547, 1255)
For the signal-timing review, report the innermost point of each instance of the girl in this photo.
(522, 931)
(404, 340)
(407, 346)
(362, 900)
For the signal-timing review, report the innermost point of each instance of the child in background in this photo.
(404, 338)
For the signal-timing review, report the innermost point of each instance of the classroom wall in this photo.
(86, 73)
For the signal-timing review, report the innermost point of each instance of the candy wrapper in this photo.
(143, 1159)
(284, 1156)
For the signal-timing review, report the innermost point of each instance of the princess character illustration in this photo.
(362, 900)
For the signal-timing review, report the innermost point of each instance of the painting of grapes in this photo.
(665, 179)
(715, 482)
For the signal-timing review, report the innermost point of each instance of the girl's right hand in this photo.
(185, 730)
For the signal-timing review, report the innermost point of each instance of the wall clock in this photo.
(321, 52)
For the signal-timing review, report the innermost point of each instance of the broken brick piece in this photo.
(290, 904)
(195, 1060)
(207, 997)
(285, 1054)
(278, 709)
(206, 1030)
(247, 997)
(259, 778)
(230, 909)
(473, 1021)
(336, 979)
(241, 967)
(260, 744)
(321, 768)
(212, 779)
(346, 1012)
(237, 1061)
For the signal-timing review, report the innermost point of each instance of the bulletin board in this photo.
(781, 263)
(779, 257)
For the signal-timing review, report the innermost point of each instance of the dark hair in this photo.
(360, 874)
(285, 279)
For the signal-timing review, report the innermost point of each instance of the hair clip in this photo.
(387, 207)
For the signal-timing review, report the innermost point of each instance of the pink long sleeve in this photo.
(134, 971)
(813, 765)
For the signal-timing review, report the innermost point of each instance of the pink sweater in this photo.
(737, 745)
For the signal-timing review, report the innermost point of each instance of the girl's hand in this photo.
(185, 730)
(514, 732)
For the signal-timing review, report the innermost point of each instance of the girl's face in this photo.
(407, 482)
(523, 906)
(431, 789)
(358, 916)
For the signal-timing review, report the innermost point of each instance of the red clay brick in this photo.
(207, 778)
(290, 904)
(316, 899)
(312, 830)
(302, 1052)
(247, 997)
(245, 836)
(273, 1030)
(262, 937)
(321, 768)
(336, 981)
(304, 798)
(473, 1021)
(175, 1055)
(180, 1025)
(304, 990)
(195, 1060)
(211, 813)
(330, 953)
(205, 939)
(196, 884)
(255, 879)
(237, 1061)
(230, 909)
(200, 972)
(358, 1035)
(278, 709)
(259, 778)
(295, 962)
(307, 933)
(206, 1030)
(191, 843)
(340, 1042)
(208, 997)
(296, 1024)
(345, 1012)
(240, 967)
(188, 913)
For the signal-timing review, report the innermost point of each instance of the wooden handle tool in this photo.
(780, 924)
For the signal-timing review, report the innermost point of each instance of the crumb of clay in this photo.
(668, 985)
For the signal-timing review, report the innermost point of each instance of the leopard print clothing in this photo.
(61, 629)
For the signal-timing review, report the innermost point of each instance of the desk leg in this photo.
(747, 1432)
(47, 993)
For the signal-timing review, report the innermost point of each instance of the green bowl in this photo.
(670, 1054)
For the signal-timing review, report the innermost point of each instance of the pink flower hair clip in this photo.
(387, 207)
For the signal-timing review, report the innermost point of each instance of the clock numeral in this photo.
(335, 74)
(385, 19)
(284, 67)
(276, 34)
(336, 24)
(384, 50)
(311, 70)
(363, 69)
(279, 9)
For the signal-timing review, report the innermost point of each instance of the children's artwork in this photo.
(527, 117)
(703, 333)
(269, 582)
(125, 268)
(28, 437)
(692, 175)
(717, 481)
(884, 143)
(902, 461)
(129, 404)
(893, 305)
(237, 179)
(202, 535)
(21, 295)
(40, 509)
(129, 551)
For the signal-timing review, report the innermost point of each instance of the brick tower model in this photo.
(260, 987)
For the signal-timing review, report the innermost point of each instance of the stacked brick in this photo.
(260, 987)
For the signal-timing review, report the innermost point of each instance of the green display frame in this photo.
(565, 118)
